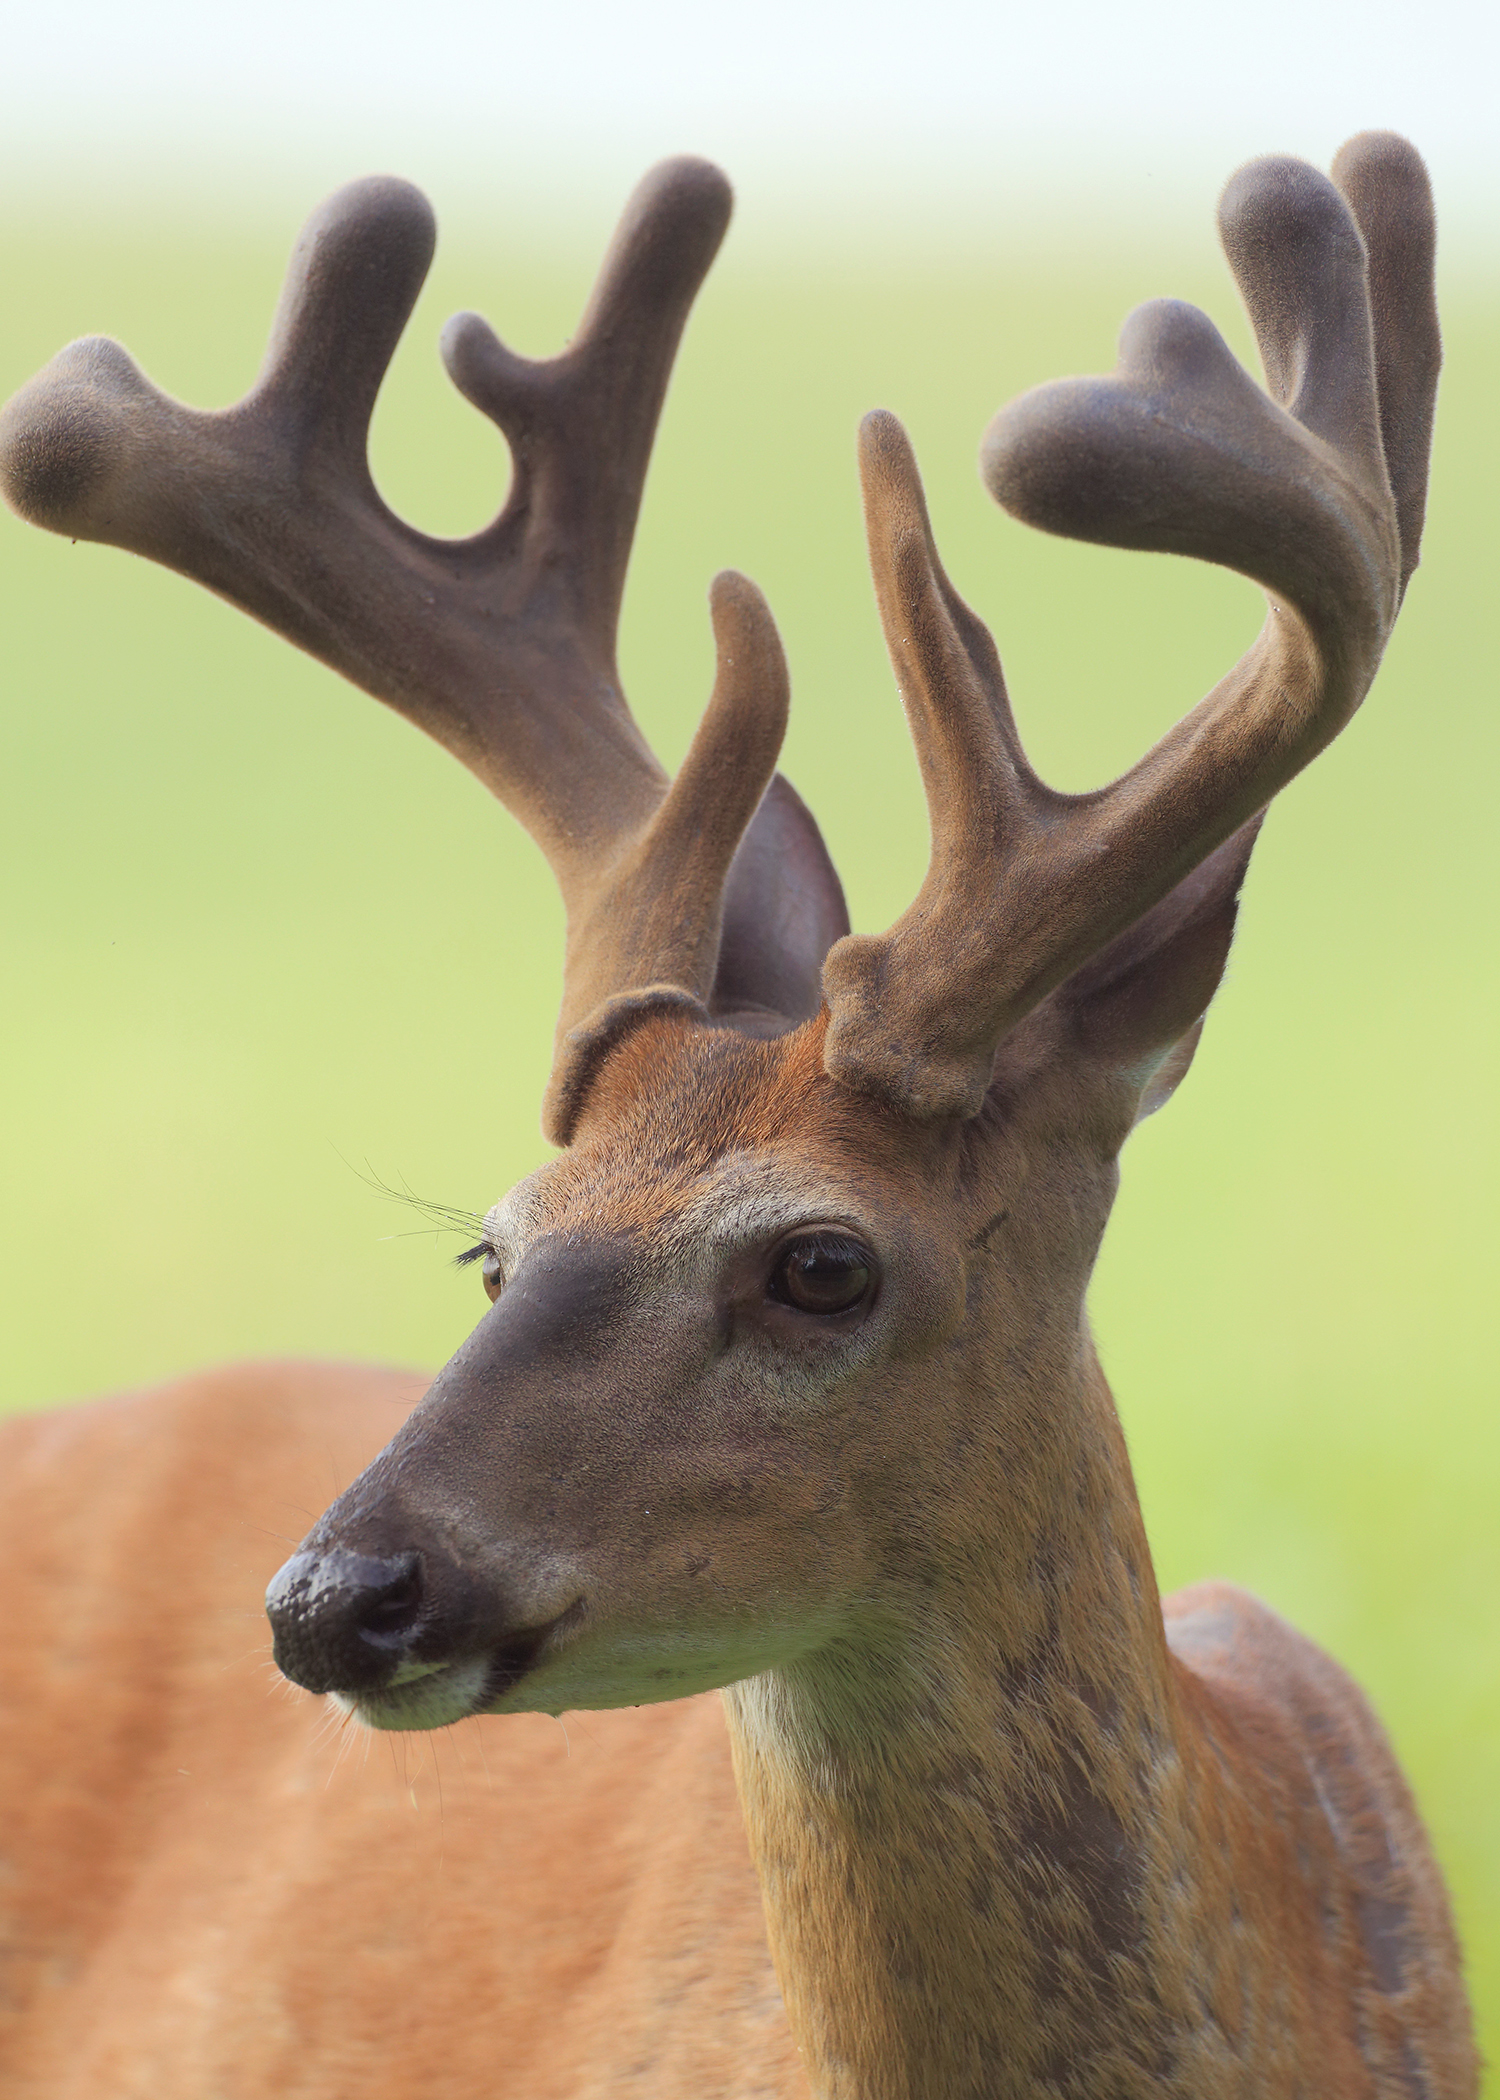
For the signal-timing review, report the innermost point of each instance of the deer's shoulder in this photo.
(1336, 1805)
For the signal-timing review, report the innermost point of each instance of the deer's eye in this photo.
(491, 1273)
(822, 1272)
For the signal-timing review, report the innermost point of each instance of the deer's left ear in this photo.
(1137, 1007)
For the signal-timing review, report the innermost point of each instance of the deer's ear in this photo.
(783, 910)
(1137, 1007)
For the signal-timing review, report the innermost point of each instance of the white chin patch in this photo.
(434, 1699)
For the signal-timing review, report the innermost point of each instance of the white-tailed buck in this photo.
(786, 1388)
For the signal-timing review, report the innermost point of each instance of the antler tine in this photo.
(580, 425)
(1385, 183)
(269, 503)
(1179, 451)
(502, 646)
(354, 276)
(646, 934)
(910, 1010)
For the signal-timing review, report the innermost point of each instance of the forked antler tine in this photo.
(1385, 183)
(1178, 451)
(240, 498)
(580, 425)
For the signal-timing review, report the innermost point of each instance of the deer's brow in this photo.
(741, 1209)
(511, 1222)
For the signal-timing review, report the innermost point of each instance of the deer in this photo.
(782, 1454)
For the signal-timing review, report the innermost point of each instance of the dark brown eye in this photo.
(822, 1272)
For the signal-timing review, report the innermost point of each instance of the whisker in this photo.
(443, 1217)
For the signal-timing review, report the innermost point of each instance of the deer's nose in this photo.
(344, 1621)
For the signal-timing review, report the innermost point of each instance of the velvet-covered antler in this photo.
(501, 646)
(1316, 492)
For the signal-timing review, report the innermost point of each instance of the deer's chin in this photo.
(436, 1699)
(602, 1667)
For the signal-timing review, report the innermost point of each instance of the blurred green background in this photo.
(262, 945)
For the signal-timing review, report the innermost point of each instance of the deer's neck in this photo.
(969, 1821)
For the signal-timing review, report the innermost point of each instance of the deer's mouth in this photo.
(518, 1657)
(434, 1695)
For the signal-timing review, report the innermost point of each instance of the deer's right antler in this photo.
(501, 646)
(1316, 491)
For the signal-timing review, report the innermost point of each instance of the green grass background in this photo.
(259, 940)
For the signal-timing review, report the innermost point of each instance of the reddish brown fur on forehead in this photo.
(685, 1095)
(680, 1097)
(676, 1098)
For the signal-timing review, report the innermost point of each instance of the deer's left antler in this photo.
(1315, 491)
(501, 646)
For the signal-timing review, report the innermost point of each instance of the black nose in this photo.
(344, 1622)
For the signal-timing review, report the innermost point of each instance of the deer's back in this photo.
(207, 1889)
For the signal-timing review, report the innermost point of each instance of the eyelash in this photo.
(472, 1254)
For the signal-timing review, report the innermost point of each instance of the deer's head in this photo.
(785, 1324)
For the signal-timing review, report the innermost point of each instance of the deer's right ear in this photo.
(1137, 1007)
(783, 910)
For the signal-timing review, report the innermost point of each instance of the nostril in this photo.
(387, 1613)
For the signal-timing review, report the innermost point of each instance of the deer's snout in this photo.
(403, 1626)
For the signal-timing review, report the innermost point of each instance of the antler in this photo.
(1316, 492)
(501, 646)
